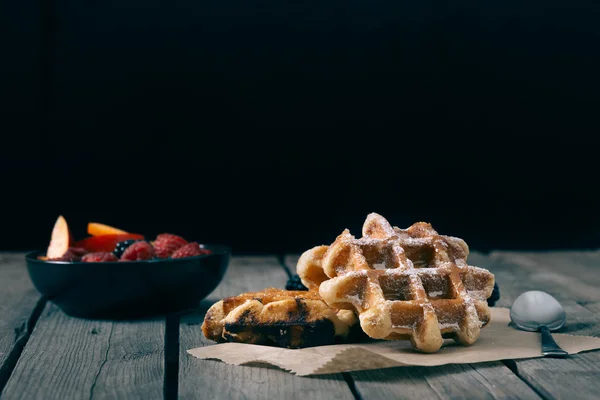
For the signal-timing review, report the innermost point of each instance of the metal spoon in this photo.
(538, 311)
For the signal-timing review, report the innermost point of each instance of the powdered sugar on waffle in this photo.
(407, 282)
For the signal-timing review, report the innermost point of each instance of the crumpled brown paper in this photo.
(498, 341)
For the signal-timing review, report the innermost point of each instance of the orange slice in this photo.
(98, 229)
(105, 242)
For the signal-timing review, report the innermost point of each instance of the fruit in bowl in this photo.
(109, 244)
(115, 274)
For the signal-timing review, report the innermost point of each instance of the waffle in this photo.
(405, 283)
(284, 318)
(310, 267)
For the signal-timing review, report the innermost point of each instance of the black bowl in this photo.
(133, 289)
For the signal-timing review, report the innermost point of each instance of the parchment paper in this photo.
(498, 341)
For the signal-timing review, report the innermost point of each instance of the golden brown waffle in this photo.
(405, 283)
(310, 267)
(284, 318)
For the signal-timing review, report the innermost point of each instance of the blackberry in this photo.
(121, 246)
(294, 283)
(495, 296)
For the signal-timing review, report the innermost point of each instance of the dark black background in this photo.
(273, 126)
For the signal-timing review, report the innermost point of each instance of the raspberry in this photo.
(189, 250)
(141, 250)
(99, 256)
(72, 254)
(166, 243)
(78, 251)
(68, 256)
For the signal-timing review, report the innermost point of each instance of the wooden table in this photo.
(45, 354)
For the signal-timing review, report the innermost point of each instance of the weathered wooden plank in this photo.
(551, 272)
(578, 271)
(487, 380)
(18, 300)
(207, 379)
(515, 272)
(590, 258)
(460, 381)
(71, 358)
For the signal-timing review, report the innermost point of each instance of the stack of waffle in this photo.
(399, 284)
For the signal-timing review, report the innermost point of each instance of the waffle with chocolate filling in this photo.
(284, 318)
(404, 283)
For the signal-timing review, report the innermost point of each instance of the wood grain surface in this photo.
(72, 358)
(570, 277)
(45, 354)
(18, 299)
(207, 379)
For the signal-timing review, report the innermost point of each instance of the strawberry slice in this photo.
(97, 229)
(106, 243)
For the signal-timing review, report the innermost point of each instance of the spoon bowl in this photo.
(535, 308)
(538, 311)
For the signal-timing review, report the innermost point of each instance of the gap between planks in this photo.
(171, 381)
(20, 308)
(570, 276)
(171, 350)
(69, 357)
(218, 380)
(22, 338)
(347, 377)
(31, 367)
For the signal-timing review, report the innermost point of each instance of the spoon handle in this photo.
(549, 346)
